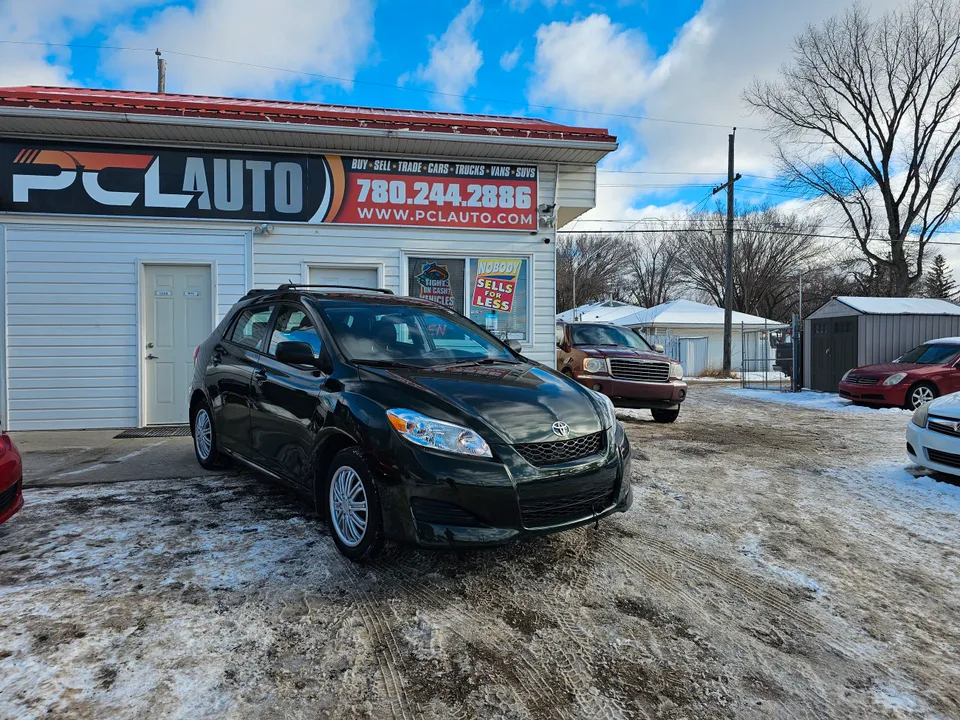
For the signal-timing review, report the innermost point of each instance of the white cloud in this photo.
(328, 38)
(591, 63)
(455, 59)
(509, 60)
(48, 21)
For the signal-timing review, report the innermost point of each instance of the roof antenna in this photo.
(161, 73)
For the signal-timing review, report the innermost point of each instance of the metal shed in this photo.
(849, 332)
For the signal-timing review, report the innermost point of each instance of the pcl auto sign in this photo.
(139, 182)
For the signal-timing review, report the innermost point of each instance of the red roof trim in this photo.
(197, 106)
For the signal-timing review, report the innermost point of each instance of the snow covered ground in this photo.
(777, 562)
(810, 399)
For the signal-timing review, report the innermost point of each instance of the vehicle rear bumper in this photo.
(879, 395)
(444, 501)
(634, 394)
(920, 441)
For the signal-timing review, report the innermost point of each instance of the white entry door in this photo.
(178, 316)
(365, 277)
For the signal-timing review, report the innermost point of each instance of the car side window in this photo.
(251, 327)
(293, 325)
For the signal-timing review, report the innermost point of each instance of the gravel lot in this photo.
(778, 562)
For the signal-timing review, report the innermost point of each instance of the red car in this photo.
(912, 380)
(11, 478)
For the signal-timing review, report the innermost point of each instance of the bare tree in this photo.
(654, 269)
(771, 249)
(867, 116)
(599, 262)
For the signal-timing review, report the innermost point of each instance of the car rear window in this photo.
(251, 326)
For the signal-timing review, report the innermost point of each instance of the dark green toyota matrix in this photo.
(403, 421)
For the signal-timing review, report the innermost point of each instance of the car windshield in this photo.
(607, 335)
(930, 354)
(410, 335)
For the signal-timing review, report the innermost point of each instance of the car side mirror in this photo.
(296, 353)
(658, 348)
(514, 345)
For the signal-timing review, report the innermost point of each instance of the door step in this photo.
(155, 432)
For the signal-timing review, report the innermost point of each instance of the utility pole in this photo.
(161, 73)
(728, 274)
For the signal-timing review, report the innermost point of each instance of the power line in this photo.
(438, 93)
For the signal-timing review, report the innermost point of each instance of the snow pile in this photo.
(810, 399)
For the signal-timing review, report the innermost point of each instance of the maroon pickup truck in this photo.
(619, 363)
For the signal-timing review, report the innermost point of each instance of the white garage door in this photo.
(345, 275)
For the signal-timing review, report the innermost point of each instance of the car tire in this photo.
(665, 416)
(920, 394)
(204, 433)
(357, 533)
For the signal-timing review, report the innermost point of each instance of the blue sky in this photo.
(612, 63)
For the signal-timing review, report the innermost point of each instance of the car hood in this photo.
(616, 351)
(518, 402)
(946, 406)
(883, 370)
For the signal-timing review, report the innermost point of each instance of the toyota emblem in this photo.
(561, 429)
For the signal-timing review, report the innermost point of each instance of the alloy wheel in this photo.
(921, 396)
(203, 434)
(348, 506)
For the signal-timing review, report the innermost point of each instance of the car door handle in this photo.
(260, 376)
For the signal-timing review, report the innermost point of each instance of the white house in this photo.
(693, 333)
(602, 311)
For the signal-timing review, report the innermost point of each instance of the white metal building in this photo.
(131, 222)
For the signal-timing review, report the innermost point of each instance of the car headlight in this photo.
(594, 365)
(846, 375)
(608, 412)
(895, 378)
(920, 415)
(676, 371)
(436, 434)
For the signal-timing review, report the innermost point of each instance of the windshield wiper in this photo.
(481, 361)
(387, 364)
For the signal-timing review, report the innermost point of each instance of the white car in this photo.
(933, 435)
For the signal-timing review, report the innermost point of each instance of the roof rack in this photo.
(297, 286)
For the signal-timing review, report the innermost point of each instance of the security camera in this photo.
(545, 208)
(546, 241)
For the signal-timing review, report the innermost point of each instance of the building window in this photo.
(495, 294)
(437, 279)
(499, 296)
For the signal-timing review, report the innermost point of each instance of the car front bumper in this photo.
(438, 500)
(635, 394)
(879, 395)
(945, 449)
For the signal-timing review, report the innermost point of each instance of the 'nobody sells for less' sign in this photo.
(496, 284)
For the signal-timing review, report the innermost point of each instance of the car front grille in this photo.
(547, 504)
(561, 451)
(9, 496)
(653, 371)
(944, 458)
(944, 426)
(860, 380)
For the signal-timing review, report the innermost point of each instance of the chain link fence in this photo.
(769, 357)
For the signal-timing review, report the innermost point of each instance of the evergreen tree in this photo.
(939, 282)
